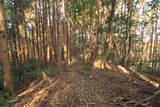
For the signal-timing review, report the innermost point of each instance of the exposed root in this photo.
(149, 98)
(142, 102)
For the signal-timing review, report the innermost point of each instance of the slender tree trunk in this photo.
(155, 44)
(126, 53)
(110, 29)
(59, 39)
(37, 33)
(110, 24)
(151, 44)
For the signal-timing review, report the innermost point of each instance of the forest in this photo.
(79, 53)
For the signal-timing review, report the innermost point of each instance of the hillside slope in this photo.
(85, 86)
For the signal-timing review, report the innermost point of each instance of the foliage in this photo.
(9, 98)
(38, 73)
(150, 70)
(10, 5)
(2, 100)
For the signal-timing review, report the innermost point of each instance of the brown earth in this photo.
(86, 86)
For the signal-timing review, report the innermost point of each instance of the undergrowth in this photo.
(18, 73)
(4, 98)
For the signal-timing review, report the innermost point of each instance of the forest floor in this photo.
(86, 86)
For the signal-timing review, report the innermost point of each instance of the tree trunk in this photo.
(7, 80)
(110, 24)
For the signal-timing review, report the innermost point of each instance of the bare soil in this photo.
(86, 86)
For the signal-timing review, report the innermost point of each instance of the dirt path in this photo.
(84, 86)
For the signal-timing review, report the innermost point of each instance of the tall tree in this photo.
(7, 75)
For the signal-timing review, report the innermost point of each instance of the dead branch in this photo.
(134, 102)
(149, 98)
(145, 78)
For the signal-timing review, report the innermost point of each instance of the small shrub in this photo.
(3, 100)
(38, 73)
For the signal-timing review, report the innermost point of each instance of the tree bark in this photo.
(7, 77)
